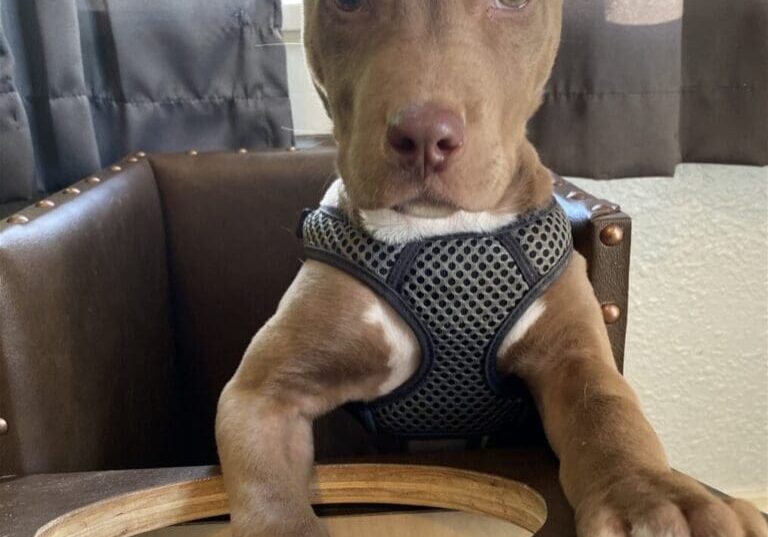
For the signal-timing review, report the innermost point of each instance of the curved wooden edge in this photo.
(418, 486)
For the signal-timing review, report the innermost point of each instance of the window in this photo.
(309, 117)
(292, 10)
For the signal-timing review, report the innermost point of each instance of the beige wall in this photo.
(697, 344)
(697, 350)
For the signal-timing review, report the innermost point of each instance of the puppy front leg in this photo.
(265, 446)
(326, 345)
(613, 466)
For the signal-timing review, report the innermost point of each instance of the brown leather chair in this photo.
(127, 300)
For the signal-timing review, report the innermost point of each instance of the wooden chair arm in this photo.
(123, 503)
(519, 486)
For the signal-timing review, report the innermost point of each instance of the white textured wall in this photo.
(697, 344)
(697, 349)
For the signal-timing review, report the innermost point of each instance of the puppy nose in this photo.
(426, 134)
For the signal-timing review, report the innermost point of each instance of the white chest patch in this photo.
(403, 347)
(522, 326)
(332, 197)
(393, 227)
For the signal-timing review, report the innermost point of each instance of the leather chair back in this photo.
(127, 303)
(86, 345)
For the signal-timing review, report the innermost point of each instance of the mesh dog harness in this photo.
(460, 294)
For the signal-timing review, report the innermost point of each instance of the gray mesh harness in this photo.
(461, 294)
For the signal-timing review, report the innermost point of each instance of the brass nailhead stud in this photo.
(141, 154)
(115, 168)
(611, 313)
(71, 191)
(612, 235)
(3, 426)
(242, 151)
(45, 204)
(18, 219)
(133, 160)
(93, 180)
(193, 153)
(576, 195)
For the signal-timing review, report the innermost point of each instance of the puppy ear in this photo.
(324, 99)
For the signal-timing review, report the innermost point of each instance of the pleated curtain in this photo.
(642, 85)
(83, 82)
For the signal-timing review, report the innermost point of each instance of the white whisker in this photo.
(264, 45)
(301, 132)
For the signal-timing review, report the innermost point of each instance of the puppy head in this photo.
(430, 98)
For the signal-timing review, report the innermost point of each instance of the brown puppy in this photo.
(430, 100)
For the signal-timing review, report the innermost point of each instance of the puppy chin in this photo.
(417, 219)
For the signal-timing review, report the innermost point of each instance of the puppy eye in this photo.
(349, 5)
(514, 4)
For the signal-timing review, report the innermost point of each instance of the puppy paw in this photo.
(289, 526)
(665, 505)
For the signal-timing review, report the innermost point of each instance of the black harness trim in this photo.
(461, 294)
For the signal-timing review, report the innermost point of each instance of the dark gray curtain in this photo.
(83, 82)
(642, 85)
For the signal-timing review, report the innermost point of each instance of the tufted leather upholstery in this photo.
(126, 306)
